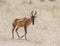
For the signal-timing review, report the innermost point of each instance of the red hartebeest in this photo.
(24, 22)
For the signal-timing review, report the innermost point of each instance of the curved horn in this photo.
(32, 12)
(35, 13)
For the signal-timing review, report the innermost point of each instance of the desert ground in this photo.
(45, 32)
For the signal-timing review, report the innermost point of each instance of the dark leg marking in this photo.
(22, 36)
(25, 32)
(13, 32)
(17, 33)
(25, 29)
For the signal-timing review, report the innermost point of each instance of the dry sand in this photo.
(45, 32)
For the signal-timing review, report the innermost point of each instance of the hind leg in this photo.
(25, 33)
(13, 32)
(17, 32)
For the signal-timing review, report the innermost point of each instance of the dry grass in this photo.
(45, 32)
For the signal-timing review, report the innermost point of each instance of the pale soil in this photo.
(45, 32)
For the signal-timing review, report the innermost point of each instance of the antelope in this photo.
(23, 22)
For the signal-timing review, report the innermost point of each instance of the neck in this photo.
(29, 21)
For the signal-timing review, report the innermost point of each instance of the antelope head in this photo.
(33, 16)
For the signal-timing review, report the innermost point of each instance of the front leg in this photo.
(25, 29)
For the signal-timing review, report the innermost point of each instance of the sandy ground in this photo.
(45, 32)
